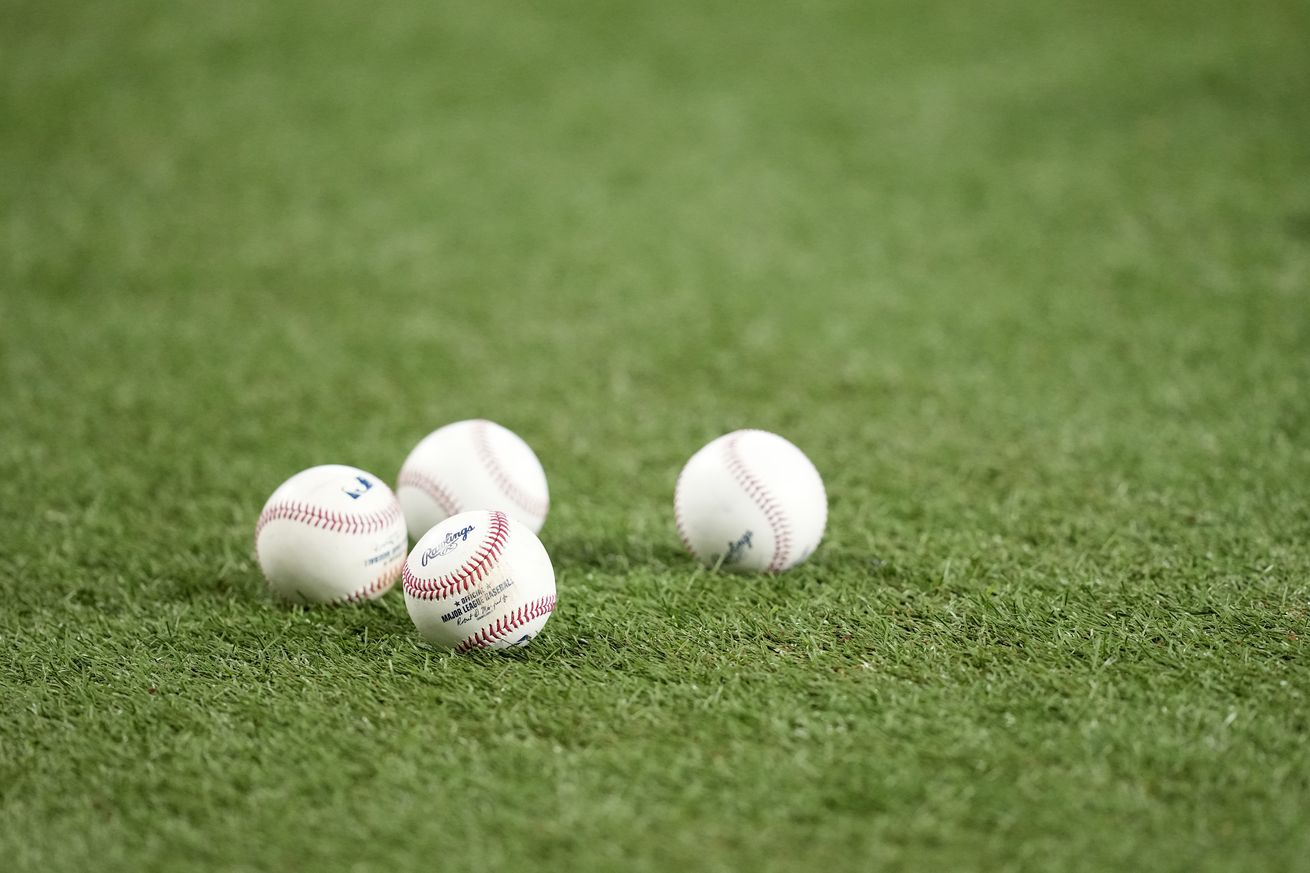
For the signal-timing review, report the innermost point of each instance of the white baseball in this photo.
(750, 500)
(468, 465)
(331, 534)
(479, 580)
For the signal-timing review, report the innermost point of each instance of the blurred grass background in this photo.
(1027, 281)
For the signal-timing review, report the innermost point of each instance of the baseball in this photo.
(468, 465)
(750, 500)
(479, 580)
(331, 534)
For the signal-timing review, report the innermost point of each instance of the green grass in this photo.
(1027, 281)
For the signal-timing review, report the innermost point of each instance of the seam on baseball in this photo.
(432, 488)
(525, 501)
(759, 494)
(505, 624)
(327, 519)
(471, 571)
(381, 583)
(677, 513)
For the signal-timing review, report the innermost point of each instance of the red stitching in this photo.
(467, 574)
(432, 488)
(677, 512)
(757, 492)
(381, 583)
(314, 516)
(526, 502)
(503, 625)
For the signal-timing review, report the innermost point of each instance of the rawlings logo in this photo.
(447, 545)
(738, 549)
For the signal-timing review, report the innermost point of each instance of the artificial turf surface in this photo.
(1028, 282)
